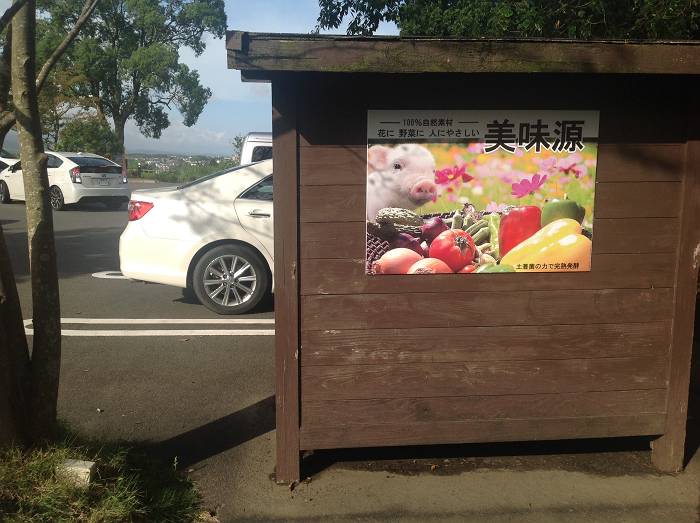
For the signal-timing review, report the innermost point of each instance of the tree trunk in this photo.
(46, 350)
(14, 357)
(119, 124)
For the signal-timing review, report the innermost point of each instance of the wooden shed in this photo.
(367, 360)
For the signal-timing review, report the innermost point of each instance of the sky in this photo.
(234, 107)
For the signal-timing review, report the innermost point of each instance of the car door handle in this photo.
(257, 213)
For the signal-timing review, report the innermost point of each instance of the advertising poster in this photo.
(479, 192)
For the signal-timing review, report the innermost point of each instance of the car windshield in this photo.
(210, 176)
(95, 165)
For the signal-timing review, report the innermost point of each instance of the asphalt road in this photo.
(208, 401)
(191, 396)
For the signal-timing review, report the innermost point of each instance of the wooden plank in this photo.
(637, 162)
(346, 240)
(335, 203)
(465, 309)
(331, 53)
(338, 203)
(328, 165)
(641, 162)
(608, 271)
(635, 235)
(668, 452)
(332, 413)
(636, 200)
(502, 343)
(285, 141)
(629, 108)
(482, 378)
(479, 431)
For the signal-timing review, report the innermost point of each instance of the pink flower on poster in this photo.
(527, 187)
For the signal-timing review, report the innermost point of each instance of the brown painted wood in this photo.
(479, 378)
(332, 53)
(328, 165)
(636, 235)
(668, 452)
(479, 431)
(630, 112)
(346, 240)
(286, 280)
(637, 200)
(330, 413)
(464, 309)
(608, 271)
(640, 162)
(502, 343)
(333, 165)
(339, 203)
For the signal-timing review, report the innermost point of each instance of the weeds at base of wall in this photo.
(128, 485)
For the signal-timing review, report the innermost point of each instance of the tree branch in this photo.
(87, 10)
(10, 12)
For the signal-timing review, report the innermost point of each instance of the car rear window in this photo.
(261, 153)
(96, 165)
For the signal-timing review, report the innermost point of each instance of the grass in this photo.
(129, 485)
(185, 172)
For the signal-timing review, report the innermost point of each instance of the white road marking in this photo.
(161, 332)
(157, 332)
(109, 275)
(165, 321)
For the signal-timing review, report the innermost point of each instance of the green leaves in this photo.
(190, 97)
(365, 15)
(579, 19)
(128, 56)
(88, 134)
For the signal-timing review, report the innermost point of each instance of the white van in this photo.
(256, 147)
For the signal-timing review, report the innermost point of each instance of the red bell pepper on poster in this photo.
(517, 226)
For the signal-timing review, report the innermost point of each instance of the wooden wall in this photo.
(396, 360)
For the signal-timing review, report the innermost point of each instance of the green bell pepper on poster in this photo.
(555, 209)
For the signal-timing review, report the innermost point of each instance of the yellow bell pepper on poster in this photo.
(559, 246)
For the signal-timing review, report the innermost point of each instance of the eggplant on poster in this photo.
(476, 192)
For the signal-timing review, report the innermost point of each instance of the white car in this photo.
(6, 161)
(73, 178)
(256, 147)
(212, 236)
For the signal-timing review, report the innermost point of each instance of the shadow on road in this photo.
(219, 435)
(604, 457)
(79, 251)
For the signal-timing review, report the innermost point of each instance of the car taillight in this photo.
(124, 179)
(137, 209)
(75, 175)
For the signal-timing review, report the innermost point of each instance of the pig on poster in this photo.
(478, 192)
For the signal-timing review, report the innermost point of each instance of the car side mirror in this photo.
(14, 168)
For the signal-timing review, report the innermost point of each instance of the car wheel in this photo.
(189, 296)
(4, 193)
(114, 205)
(56, 198)
(230, 279)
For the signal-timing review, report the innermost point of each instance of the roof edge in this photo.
(260, 53)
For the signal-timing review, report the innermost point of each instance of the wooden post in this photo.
(668, 451)
(286, 197)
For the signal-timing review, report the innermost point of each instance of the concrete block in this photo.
(78, 471)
